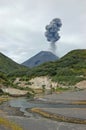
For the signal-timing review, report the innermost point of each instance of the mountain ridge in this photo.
(68, 70)
(7, 64)
(39, 58)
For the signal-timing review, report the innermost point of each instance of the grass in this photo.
(9, 124)
(79, 102)
(60, 89)
(68, 70)
(7, 65)
(58, 117)
(3, 99)
(6, 122)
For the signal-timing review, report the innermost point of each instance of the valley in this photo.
(51, 95)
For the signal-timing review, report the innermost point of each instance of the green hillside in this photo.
(68, 70)
(7, 65)
(3, 79)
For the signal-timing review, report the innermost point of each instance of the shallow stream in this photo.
(24, 103)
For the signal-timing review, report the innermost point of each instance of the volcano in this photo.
(38, 59)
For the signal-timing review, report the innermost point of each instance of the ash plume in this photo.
(52, 34)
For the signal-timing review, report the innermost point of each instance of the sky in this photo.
(22, 26)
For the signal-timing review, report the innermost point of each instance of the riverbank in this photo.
(5, 111)
(71, 118)
(49, 104)
(74, 115)
(14, 92)
(65, 97)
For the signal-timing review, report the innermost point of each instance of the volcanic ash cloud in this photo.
(52, 33)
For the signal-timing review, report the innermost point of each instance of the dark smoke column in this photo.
(52, 34)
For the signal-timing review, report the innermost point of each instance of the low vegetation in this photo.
(58, 117)
(68, 70)
(9, 124)
(3, 99)
(60, 89)
(7, 65)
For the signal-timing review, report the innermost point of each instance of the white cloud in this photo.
(22, 26)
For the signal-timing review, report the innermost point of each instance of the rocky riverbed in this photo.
(31, 121)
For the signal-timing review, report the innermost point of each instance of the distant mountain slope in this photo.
(42, 57)
(70, 69)
(8, 65)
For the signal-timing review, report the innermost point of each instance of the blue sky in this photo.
(22, 26)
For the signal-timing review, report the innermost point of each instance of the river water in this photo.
(32, 121)
(24, 103)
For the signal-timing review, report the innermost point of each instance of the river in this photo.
(31, 121)
(24, 103)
